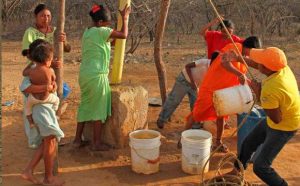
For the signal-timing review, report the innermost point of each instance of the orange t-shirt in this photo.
(217, 77)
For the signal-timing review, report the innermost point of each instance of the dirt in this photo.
(81, 167)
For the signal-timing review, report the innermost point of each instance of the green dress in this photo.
(95, 102)
(32, 34)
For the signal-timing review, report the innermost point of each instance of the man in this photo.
(280, 100)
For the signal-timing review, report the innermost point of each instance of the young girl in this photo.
(41, 53)
(95, 104)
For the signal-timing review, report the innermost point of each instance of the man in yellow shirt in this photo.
(279, 97)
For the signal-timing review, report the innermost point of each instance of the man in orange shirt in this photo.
(223, 73)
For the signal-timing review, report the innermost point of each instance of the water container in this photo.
(257, 116)
(145, 151)
(196, 146)
(232, 100)
(66, 90)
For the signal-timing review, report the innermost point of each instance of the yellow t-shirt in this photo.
(280, 90)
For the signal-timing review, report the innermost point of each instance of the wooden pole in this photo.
(160, 66)
(59, 47)
(58, 53)
(120, 45)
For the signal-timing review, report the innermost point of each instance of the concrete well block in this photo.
(129, 113)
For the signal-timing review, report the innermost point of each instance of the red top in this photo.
(215, 41)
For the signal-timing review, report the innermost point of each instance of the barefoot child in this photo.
(95, 105)
(41, 53)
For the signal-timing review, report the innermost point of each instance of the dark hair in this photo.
(252, 42)
(39, 8)
(40, 51)
(228, 23)
(100, 13)
(214, 55)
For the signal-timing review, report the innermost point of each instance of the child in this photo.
(187, 82)
(41, 53)
(279, 97)
(95, 105)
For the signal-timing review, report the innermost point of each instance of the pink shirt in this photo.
(215, 41)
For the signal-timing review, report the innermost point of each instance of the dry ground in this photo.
(82, 168)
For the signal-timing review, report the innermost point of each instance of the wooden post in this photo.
(59, 46)
(120, 45)
(58, 53)
(160, 66)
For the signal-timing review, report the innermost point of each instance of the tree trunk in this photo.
(58, 53)
(59, 46)
(160, 66)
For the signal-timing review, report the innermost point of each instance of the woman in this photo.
(41, 30)
(95, 105)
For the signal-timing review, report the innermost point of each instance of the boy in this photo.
(279, 97)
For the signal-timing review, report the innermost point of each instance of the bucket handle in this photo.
(154, 161)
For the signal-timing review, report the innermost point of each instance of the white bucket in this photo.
(145, 151)
(233, 100)
(196, 146)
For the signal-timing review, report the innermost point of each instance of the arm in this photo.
(38, 88)
(27, 69)
(204, 29)
(122, 34)
(226, 63)
(188, 68)
(63, 38)
(249, 62)
(274, 114)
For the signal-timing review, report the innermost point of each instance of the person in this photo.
(279, 97)
(95, 105)
(41, 53)
(216, 40)
(187, 82)
(47, 129)
(41, 30)
(230, 73)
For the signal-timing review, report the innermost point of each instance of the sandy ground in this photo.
(80, 167)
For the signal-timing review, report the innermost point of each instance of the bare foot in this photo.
(27, 175)
(101, 147)
(55, 181)
(76, 144)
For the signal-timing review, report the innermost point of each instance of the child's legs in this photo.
(49, 154)
(37, 156)
(29, 104)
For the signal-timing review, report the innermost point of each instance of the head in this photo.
(41, 51)
(229, 25)
(42, 15)
(214, 55)
(249, 43)
(270, 60)
(100, 15)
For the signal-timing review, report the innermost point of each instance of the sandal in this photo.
(221, 148)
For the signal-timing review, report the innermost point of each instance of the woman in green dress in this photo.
(95, 105)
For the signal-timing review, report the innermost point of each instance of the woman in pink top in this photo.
(216, 40)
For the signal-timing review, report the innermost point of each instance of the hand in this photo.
(255, 86)
(243, 79)
(217, 20)
(57, 64)
(125, 12)
(62, 37)
(54, 86)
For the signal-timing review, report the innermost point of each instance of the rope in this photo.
(229, 35)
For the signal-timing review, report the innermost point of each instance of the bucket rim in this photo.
(143, 130)
(208, 135)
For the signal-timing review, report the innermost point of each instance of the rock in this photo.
(129, 113)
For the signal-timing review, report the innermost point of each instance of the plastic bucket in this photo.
(256, 117)
(66, 90)
(237, 99)
(145, 151)
(196, 146)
